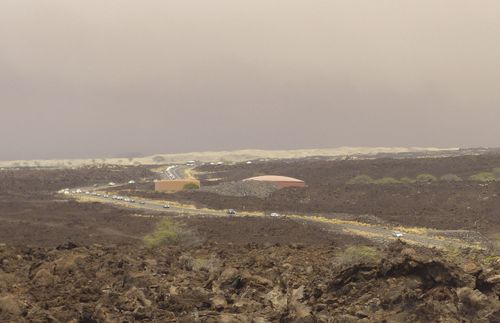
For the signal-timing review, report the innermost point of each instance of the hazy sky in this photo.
(87, 78)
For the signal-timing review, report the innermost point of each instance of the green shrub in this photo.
(386, 180)
(407, 180)
(451, 178)
(426, 178)
(361, 179)
(191, 186)
(358, 255)
(165, 232)
(483, 177)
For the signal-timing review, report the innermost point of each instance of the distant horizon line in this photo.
(242, 150)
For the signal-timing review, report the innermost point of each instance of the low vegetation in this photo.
(386, 180)
(361, 179)
(483, 177)
(407, 180)
(450, 178)
(492, 176)
(426, 178)
(358, 255)
(159, 159)
(191, 186)
(166, 232)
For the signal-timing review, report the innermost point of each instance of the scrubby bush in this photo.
(158, 159)
(407, 180)
(451, 178)
(426, 178)
(361, 179)
(165, 232)
(386, 180)
(191, 186)
(358, 255)
(483, 177)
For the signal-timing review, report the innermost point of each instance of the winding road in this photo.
(441, 239)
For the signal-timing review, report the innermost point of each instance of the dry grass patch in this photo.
(166, 232)
(358, 255)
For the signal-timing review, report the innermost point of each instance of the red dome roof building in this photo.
(281, 181)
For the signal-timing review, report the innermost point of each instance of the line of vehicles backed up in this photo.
(229, 212)
(106, 196)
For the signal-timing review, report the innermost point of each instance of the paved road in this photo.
(425, 237)
(175, 171)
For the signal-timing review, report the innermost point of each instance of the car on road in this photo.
(111, 184)
(397, 234)
(231, 212)
(166, 206)
(274, 214)
(131, 182)
(142, 202)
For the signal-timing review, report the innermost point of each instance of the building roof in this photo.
(274, 178)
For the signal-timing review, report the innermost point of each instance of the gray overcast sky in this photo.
(87, 78)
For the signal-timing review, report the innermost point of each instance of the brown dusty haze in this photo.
(107, 78)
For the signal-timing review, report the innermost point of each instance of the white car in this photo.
(166, 206)
(397, 234)
(131, 182)
(111, 184)
(274, 214)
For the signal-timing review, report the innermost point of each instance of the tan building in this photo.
(175, 185)
(281, 181)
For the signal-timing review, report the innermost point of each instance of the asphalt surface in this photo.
(175, 172)
(377, 233)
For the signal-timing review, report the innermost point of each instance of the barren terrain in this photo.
(65, 261)
(442, 205)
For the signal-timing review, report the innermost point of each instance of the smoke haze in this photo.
(105, 78)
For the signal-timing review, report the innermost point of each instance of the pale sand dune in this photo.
(223, 156)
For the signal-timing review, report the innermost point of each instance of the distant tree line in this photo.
(364, 179)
